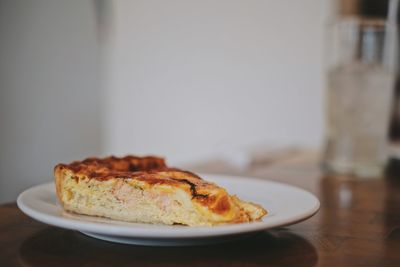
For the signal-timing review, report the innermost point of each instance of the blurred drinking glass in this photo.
(361, 77)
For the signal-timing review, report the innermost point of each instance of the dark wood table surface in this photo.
(358, 225)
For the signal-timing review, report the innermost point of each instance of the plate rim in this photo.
(166, 231)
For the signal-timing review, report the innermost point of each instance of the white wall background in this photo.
(49, 95)
(186, 78)
(190, 79)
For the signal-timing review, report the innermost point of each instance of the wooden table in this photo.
(358, 225)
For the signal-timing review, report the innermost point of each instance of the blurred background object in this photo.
(361, 79)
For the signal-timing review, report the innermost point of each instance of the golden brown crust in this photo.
(151, 170)
(109, 167)
(58, 180)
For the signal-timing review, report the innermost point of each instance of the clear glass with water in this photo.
(360, 80)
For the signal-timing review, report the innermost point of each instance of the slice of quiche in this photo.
(144, 189)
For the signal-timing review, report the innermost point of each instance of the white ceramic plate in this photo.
(285, 204)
